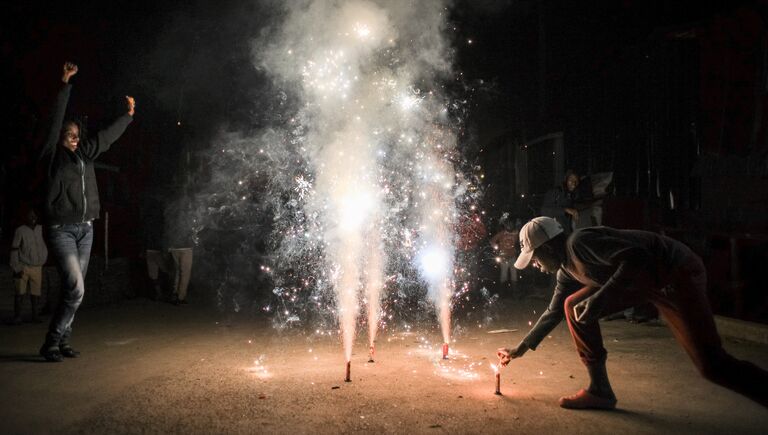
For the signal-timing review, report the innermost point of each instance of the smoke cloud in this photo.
(357, 177)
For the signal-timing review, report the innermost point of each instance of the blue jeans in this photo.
(70, 244)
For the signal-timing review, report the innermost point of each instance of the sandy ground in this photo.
(155, 368)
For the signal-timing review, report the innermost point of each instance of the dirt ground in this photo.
(155, 368)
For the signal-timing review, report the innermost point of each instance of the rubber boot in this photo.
(599, 395)
(17, 302)
(599, 383)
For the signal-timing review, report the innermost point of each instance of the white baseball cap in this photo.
(535, 233)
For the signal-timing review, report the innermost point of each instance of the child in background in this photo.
(504, 245)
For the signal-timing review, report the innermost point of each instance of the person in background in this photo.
(180, 242)
(602, 270)
(504, 244)
(71, 205)
(28, 255)
(155, 252)
(560, 203)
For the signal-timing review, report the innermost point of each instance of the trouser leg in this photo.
(687, 311)
(589, 344)
(154, 261)
(17, 305)
(71, 246)
(587, 336)
(35, 287)
(35, 300)
(504, 268)
(22, 287)
(183, 260)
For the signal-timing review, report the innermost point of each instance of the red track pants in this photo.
(684, 306)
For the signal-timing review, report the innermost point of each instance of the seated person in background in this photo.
(561, 202)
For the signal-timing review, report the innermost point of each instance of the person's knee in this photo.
(573, 300)
(570, 302)
(74, 297)
(78, 295)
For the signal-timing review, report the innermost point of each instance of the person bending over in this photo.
(601, 270)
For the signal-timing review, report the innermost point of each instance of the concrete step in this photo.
(742, 329)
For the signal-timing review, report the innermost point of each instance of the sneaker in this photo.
(51, 354)
(67, 351)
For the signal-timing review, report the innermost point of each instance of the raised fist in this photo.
(131, 104)
(70, 69)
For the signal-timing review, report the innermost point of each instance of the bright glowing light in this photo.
(259, 369)
(434, 263)
(354, 210)
(408, 102)
(362, 30)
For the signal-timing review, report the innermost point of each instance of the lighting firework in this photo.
(497, 375)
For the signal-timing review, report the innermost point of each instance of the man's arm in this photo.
(59, 109)
(554, 313)
(15, 263)
(547, 322)
(626, 275)
(598, 249)
(93, 146)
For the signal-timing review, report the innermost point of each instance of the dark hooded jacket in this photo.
(71, 192)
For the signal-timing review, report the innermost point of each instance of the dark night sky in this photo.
(191, 62)
(155, 48)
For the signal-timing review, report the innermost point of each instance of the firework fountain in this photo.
(361, 165)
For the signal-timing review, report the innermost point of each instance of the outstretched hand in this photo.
(131, 104)
(573, 212)
(506, 355)
(70, 69)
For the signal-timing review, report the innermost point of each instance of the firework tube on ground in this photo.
(347, 377)
(445, 350)
(498, 381)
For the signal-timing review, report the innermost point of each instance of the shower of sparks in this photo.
(359, 177)
(259, 369)
(303, 187)
(460, 367)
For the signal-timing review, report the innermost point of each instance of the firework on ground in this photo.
(352, 197)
